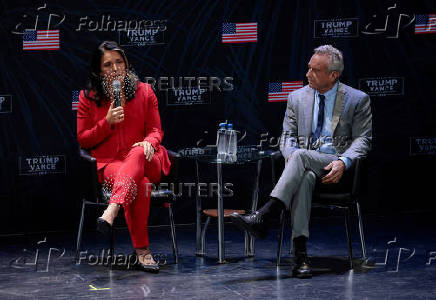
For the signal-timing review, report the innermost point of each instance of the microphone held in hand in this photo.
(116, 86)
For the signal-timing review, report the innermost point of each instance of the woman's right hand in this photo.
(115, 115)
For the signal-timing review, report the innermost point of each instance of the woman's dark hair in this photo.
(95, 80)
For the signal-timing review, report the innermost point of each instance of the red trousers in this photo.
(128, 177)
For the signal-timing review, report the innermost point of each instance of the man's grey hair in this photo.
(336, 59)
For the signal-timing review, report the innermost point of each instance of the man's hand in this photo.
(148, 149)
(337, 168)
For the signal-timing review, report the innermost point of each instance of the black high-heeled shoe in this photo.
(151, 268)
(103, 226)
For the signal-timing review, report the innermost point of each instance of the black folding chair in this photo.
(341, 196)
(93, 195)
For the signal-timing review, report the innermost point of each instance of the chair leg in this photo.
(362, 237)
(347, 229)
(203, 234)
(280, 236)
(111, 256)
(291, 246)
(173, 233)
(80, 231)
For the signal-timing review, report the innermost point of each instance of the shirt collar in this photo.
(330, 94)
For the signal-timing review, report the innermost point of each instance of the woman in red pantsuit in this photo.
(125, 140)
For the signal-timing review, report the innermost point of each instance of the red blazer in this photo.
(109, 142)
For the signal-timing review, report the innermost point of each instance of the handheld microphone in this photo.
(116, 86)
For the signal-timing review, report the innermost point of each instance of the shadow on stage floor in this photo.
(402, 248)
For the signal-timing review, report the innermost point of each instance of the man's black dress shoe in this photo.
(302, 267)
(151, 268)
(103, 226)
(259, 222)
(254, 223)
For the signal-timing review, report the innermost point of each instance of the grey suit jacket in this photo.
(351, 122)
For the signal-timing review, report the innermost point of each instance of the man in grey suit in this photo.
(327, 125)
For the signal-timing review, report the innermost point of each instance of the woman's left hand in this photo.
(148, 149)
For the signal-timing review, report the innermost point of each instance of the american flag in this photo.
(75, 100)
(239, 32)
(279, 91)
(425, 24)
(41, 40)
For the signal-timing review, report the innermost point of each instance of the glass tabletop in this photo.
(244, 155)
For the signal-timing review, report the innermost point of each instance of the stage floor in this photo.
(402, 248)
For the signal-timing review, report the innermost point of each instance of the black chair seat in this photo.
(164, 195)
(343, 198)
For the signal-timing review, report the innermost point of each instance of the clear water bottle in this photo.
(232, 143)
(221, 142)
